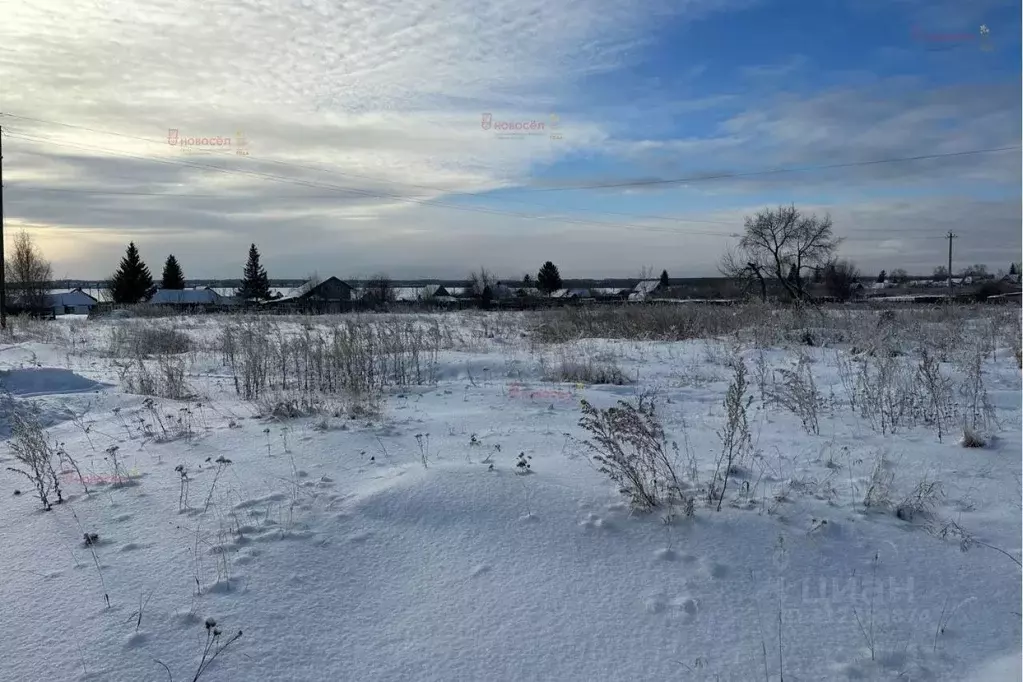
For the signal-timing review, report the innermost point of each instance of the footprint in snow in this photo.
(666, 554)
(686, 605)
(360, 537)
(717, 570)
(594, 521)
(480, 570)
(132, 546)
(136, 640)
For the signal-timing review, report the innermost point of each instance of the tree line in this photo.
(781, 247)
(789, 250)
(132, 282)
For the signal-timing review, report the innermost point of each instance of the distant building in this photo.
(315, 290)
(436, 293)
(74, 302)
(645, 289)
(203, 296)
(567, 294)
(330, 295)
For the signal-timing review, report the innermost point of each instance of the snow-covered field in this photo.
(395, 538)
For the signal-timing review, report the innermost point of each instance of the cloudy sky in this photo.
(366, 149)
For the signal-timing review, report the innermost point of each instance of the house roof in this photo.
(433, 290)
(647, 286)
(188, 296)
(308, 287)
(75, 297)
(571, 293)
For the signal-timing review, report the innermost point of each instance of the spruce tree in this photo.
(132, 282)
(173, 277)
(255, 283)
(881, 277)
(1012, 269)
(664, 278)
(548, 279)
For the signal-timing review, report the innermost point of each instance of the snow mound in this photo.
(40, 381)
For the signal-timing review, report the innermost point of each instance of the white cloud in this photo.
(386, 97)
(388, 91)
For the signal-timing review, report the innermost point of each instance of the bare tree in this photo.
(28, 274)
(840, 278)
(898, 276)
(380, 289)
(781, 244)
(479, 281)
(978, 271)
(734, 265)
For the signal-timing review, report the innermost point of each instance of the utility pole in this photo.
(950, 236)
(3, 273)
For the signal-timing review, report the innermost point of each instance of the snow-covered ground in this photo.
(407, 545)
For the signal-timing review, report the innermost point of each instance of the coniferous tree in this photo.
(173, 277)
(664, 278)
(255, 283)
(132, 282)
(1012, 269)
(548, 279)
(881, 277)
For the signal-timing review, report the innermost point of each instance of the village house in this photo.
(646, 289)
(572, 294)
(327, 295)
(187, 297)
(74, 302)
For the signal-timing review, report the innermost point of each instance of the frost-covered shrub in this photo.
(628, 444)
(588, 371)
(134, 340)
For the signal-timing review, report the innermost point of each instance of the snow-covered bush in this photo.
(940, 407)
(163, 378)
(797, 392)
(38, 460)
(588, 371)
(736, 441)
(921, 501)
(135, 339)
(978, 412)
(629, 446)
(346, 357)
(886, 392)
